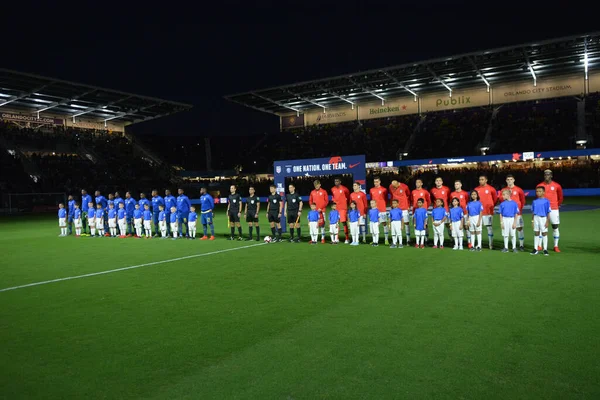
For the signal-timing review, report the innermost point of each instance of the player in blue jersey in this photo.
(101, 200)
(354, 217)
(170, 202)
(438, 215)
(509, 209)
(86, 199)
(71, 211)
(122, 220)
(475, 213)
(334, 227)
(129, 209)
(207, 203)
(162, 221)
(112, 219)
(192, 220)
(91, 219)
(457, 218)
(147, 217)
(540, 208)
(62, 220)
(111, 200)
(313, 223)
(100, 223)
(374, 222)
(137, 220)
(396, 225)
(183, 209)
(77, 220)
(173, 221)
(420, 222)
(143, 201)
(118, 200)
(157, 201)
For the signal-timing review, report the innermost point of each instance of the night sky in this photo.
(197, 54)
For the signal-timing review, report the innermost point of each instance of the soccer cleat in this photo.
(546, 253)
(392, 246)
(230, 238)
(297, 240)
(469, 245)
(323, 241)
(441, 247)
(505, 250)
(455, 248)
(460, 248)
(539, 248)
(479, 249)
(422, 246)
(107, 234)
(346, 241)
(515, 250)
(435, 247)
(204, 237)
(521, 248)
(556, 249)
(240, 239)
(416, 246)
(212, 238)
(534, 253)
(400, 246)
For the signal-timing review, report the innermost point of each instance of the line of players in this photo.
(117, 217)
(407, 202)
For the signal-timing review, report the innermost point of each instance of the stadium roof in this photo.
(37, 94)
(538, 59)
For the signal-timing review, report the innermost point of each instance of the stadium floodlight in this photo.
(366, 89)
(585, 60)
(23, 95)
(65, 102)
(583, 141)
(440, 80)
(530, 67)
(101, 107)
(311, 101)
(400, 84)
(280, 104)
(479, 73)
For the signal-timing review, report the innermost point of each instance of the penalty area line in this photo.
(110, 271)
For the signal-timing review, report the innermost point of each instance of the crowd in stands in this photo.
(592, 111)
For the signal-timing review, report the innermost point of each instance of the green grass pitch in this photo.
(293, 321)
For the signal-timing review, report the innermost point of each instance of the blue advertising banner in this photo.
(336, 165)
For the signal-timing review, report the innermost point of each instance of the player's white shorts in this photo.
(419, 233)
(487, 220)
(313, 226)
(519, 219)
(62, 222)
(405, 216)
(148, 224)
(123, 225)
(473, 224)
(456, 230)
(77, 223)
(99, 223)
(192, 225)
(362, 220)
(91, 222)
(354, 228)
(334, 229)
(374, 227)
(112, 223)
(439, 229)
(539, 224)
(396, 228)
(174, 227)
(137, 223)
(162, 225)
(554, 217)
(507, 226)
(383, 216)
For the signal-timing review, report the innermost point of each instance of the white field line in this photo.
(110, 271)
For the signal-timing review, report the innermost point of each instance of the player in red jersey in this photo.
(443, 193)
(517, 195)
(463, 198)
(320, 198)
(420, 193)
(399, 191)
(360, 198)
(554, 194)
(380, 195)
(488, 198)
(340, 196)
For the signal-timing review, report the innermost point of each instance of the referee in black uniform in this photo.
(274, 210)
(234, 211)
(251, 213)
(293, 211)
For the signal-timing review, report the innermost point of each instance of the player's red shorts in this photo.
(343, 215)
(321, 219)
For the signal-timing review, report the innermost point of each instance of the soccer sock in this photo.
(250, 232)
(273, 231)
(212, 229)
(435, 239)
(514, 241)
(385, 232)
(506, 242)
(536, 242)
(521, 238)
(455, 241)
(232, 231)
(346, 230)
(322, 234)
(363, 230)
(556, 237)
(490, 236)
(279, 232)
(376, 237)
(291, 233)
(394, 239)
(479, 239)
(204, 229)
(545, 241)
(299, 233)
(93, 231)
(400, 237)
(258, 232)
(407, 229)
(163, 233)
(77, 231)
(442, 239)
(175, 234)
(460, 242)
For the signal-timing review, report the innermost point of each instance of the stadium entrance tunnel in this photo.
(307, 170)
